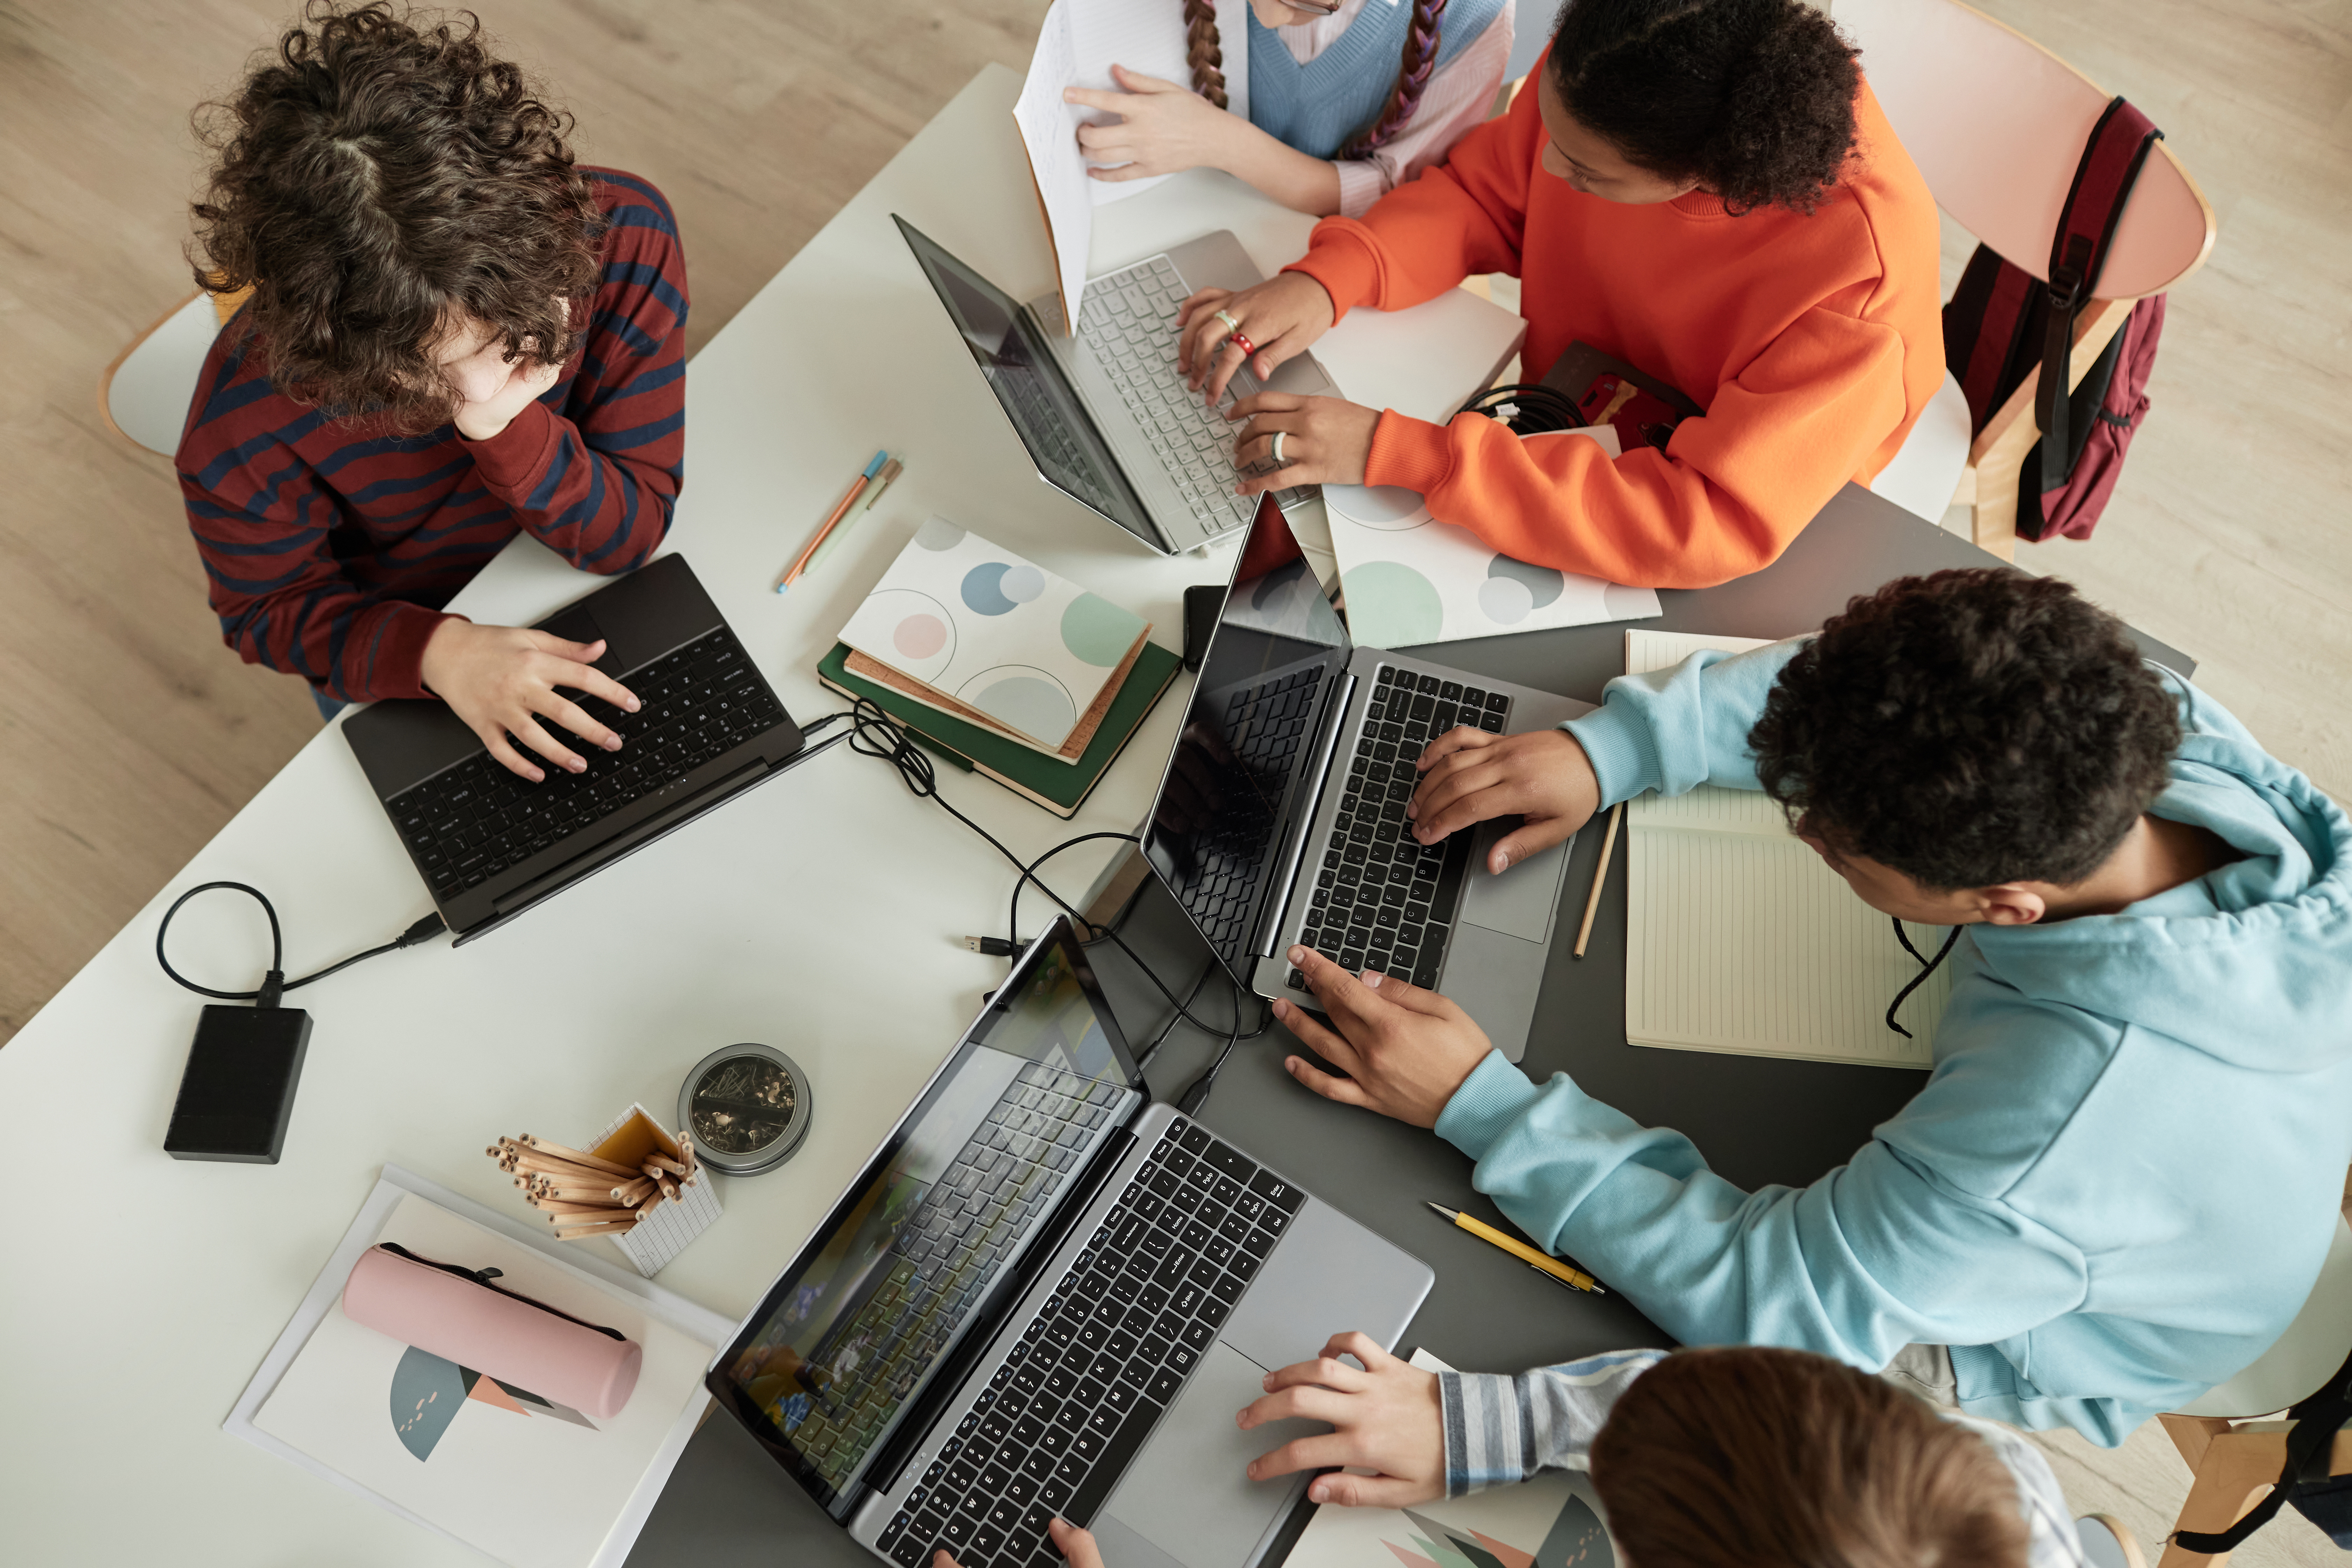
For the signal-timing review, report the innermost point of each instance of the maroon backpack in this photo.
(2001, 322)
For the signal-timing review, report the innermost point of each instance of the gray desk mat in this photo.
(1757, 1121)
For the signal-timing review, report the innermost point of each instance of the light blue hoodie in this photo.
(2119, 1182)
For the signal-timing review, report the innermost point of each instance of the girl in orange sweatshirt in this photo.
(1703, 189)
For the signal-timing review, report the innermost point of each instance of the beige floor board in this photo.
(128, 733)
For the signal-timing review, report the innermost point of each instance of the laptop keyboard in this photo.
(1383, 900)
(1047, 430)
(1264, 726)
(944, 1254)
(472, 821)
(1129, 321)
(1073, 1404)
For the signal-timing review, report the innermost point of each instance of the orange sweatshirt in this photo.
(1812, 343)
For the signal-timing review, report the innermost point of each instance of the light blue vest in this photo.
(1318, 106)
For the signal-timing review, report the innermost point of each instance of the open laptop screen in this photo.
(1038, 396)
(1242, 772)
(851, 1333)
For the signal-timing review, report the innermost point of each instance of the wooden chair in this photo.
(143, 396)
(2234, 1459)
(1997, 124)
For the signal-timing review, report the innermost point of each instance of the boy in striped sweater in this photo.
(455, 334)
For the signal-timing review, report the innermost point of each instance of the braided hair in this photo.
(1420, 62)
(1202, 52)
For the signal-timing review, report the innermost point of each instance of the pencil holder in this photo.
(644, 1187)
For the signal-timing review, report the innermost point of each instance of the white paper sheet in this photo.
(1740, 940)
(602, 1519)
(1077, 46)
(1411, 579)
(1147, 38)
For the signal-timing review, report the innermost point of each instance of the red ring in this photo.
(1248, 348)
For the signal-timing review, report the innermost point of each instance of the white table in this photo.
(820, 913)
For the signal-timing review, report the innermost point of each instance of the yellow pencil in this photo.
(1576, 1278)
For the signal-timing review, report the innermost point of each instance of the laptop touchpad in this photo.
(1186, 1497)
(1521, 901)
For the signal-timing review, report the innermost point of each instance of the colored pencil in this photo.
(794, 572)
(1600, 878)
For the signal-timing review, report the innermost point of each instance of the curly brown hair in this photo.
(1753, 99)
(378, 179)
(1744, 1457)
(1968, 729)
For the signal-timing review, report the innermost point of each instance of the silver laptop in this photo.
(1104, 414)
(1045, 1295)
(1280, 818)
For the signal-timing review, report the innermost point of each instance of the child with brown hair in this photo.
(1348, 98)
(1731, 1457)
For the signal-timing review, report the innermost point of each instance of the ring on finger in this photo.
(1279, 461)
(1241, 341)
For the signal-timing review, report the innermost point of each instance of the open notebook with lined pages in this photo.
(1738, 938)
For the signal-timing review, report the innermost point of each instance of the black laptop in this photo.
(490, 843)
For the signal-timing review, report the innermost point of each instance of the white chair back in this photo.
(1997, 123)
(2313, 1347)
(146, 392)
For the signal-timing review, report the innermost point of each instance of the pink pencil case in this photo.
(459, 1315)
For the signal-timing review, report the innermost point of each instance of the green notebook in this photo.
(1060, 788)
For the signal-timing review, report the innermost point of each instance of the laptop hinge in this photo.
(1302, 825)
(944, 1388)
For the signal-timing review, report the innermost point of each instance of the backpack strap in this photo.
(2078, 253)
(2310, 1443)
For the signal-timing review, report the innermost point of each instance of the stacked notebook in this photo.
(1739, 939)
(1003, 667)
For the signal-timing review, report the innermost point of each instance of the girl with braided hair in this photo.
(1346, 100)
(1704, 190)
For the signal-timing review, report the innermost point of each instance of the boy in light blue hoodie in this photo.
(2120, 1179)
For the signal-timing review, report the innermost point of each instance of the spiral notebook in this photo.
(1737, 937)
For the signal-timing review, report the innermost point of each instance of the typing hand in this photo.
(1282, 316)
(1469, 776)
(1404, 1050)
(1163, 128)
(504, 678)
(1324, 440)
(1075, 1546)
(1384, 1419)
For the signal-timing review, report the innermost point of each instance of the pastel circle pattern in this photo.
(1542, 582)
(1389, 508)
(1024, 699)
(922, 631)
(1098, 631)
(938, 534)
(1392, 605)
(984, 589)
(1505, 600)
(1022, 584)
(919, 636)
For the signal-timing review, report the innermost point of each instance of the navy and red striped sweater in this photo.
(332, 546)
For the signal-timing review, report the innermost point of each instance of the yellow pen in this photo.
(1575, 1279)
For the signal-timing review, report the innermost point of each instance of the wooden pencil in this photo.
(577, 1156)
(663, 1162)
(633, 1193)
(620, 1227)
(1599, 878)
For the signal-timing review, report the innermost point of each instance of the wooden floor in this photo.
(128, 734)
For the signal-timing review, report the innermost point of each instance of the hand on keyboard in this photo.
(1324, 440)
(1405, 1050)
(1469, 776)
(502, 680)
(1384, 1419)
(1076, 1546)
(1282, 316)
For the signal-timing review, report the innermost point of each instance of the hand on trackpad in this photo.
(1188, 1499)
